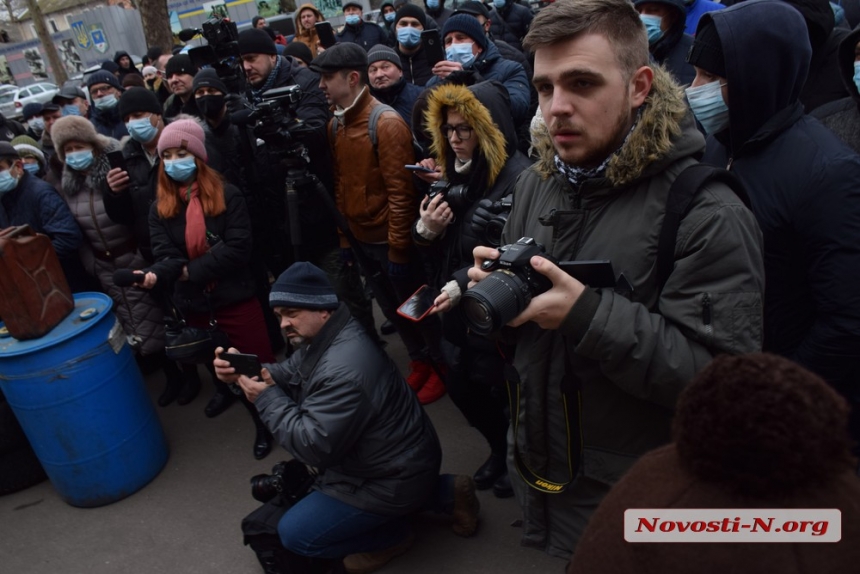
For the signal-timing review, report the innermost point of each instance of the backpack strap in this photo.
(375, 112)
(678, 202)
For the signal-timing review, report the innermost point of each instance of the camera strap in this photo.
(571, 402)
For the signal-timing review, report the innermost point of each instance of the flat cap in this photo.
(68, 93)
(343, 56)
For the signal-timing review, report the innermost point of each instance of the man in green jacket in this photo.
(617, 133)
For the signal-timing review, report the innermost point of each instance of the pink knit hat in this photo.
(184, 134)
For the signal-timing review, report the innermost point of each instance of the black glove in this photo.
(235, 103)
(482, 216)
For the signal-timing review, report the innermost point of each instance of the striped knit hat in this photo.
(28, 147)
(303, 286)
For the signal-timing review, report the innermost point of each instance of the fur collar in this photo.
(651, 141)
(464, 102)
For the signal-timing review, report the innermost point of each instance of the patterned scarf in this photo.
(195, 224)
(257, 95)
(578, 175)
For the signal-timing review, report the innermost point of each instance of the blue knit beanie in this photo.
(468, 25)
(303, 286)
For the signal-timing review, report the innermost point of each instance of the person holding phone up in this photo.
(468, 48)
(474, 145)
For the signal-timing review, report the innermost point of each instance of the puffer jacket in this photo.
(37, 204)
(342, 406)
(802, 182)
(307, 37)
(491, 66)
(224, 270)
(109, 246)
(366, 35)
(416, 69)
(372, 189)
(842, 117)
(630, 354)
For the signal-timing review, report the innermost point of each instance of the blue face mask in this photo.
(857, 75)
(142, 129)
(353, 19)
(182, 169)
(71, 110)
(709, 107)
(390, 16)
(652, 27)
(432, 4)
(461, 53)
(80, 160)
(38, 124)
(499, 4)
(409, 36)
(8, 182)
(32, 168)
(107, 102)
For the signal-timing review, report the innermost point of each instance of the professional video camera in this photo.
(221, 53)
(275, 121)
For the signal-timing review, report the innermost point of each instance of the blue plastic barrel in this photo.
(81, 401)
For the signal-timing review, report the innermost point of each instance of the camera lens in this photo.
(264, 487)
(493, 231)
(458, 196)
(492, 303)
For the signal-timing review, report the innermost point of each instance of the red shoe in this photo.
(419, 373)
(432, 391)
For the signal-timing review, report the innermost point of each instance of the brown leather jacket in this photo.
(373, 190)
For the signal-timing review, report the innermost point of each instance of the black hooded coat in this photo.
(802, 182)
(843, 116)
(672, 48)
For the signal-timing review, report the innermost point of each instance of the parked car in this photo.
(12, 102)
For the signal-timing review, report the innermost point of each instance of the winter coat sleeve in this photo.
(169, 257)
(233, 251)
(59, 224)
(395, 146)
(711, 303)
(331, 418)
(829, 234)
(514, 78)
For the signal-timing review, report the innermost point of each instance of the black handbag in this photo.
(192, 345)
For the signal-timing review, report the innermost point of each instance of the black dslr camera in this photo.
(289, 479)
(457, 196)
(493, 230)
(503, 295)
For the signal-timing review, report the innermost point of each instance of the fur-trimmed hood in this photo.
(486, 107)
(660, 136)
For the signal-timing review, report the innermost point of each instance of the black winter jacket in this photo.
(517, 18)
(131, 206)
(401, 97)
(342, 406)
(227, 263)
(842, 117)
(108, 123)
(672, 48)
(366, 35)
(416, 69)
(802, 182)
(37, 204)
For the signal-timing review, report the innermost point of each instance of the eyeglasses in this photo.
(464, 132)
(98, 91)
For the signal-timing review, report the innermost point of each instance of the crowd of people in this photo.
(704, 153)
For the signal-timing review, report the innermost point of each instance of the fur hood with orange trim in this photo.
(486, 108)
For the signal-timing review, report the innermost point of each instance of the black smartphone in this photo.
(421, 168)
(597, 273)
(418, 305)
(433, 46)
(248, 365)
(116, 160)
(326, 34)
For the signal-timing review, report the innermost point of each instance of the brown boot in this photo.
(367, 562)
(466, 506)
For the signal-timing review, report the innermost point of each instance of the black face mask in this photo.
(151, 83)
(210, 106)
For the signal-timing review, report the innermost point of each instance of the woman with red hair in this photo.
(201, 241)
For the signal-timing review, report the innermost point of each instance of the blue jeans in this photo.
(322, 527)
